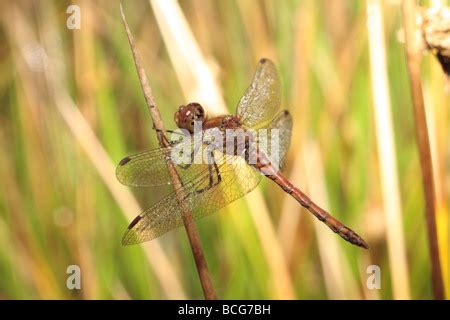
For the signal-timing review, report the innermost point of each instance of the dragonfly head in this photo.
(186, 116)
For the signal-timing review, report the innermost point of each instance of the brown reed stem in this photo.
(194, 239)
(413, 42)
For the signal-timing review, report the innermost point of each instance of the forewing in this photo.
(201, 198)
(150, 168)
(261, 101)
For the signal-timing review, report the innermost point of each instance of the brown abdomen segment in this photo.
(334, 224)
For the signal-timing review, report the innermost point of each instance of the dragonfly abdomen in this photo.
(335, 225)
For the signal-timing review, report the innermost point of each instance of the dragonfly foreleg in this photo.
(174, 142)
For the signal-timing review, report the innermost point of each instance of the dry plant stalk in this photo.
(387, 157)
(158, 125)
(197, 79)
(414, 46)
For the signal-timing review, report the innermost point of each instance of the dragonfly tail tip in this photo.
(363, 244)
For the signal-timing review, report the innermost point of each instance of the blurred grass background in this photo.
(72, 107)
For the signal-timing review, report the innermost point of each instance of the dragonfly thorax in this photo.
(230, 122)
(187, 115)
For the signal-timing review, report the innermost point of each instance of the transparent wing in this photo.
(279, 132)
(261, 101)
(150, 168)
(203, 196)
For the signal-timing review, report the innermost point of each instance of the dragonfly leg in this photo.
(174, 142)
(211, 174)
(159, 133)
(170, 142)
(174, 132)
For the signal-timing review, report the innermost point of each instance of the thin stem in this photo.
(392, 207)
(194, 239)
(199, 83)
(413, 57)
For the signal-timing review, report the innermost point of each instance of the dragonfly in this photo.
(228, 175)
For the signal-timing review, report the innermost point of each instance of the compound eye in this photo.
(199, 114)
(178, 116)
(186, 116)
